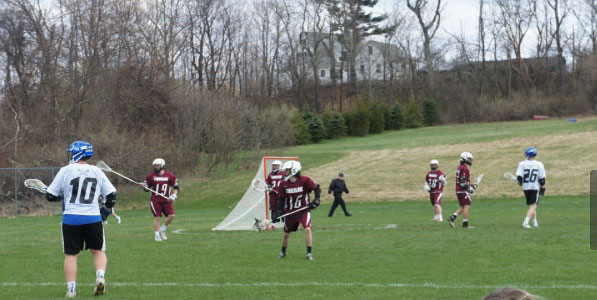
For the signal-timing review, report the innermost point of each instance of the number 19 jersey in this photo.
(530, 171)
(80, 186)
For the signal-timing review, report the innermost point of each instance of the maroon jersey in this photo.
(161, 184)
(296, 194)
(462, 173)
(275, 180)
(433, 181)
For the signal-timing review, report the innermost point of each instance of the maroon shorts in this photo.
(159, 207)
(464, 199)
(292, 224)
(435, 198)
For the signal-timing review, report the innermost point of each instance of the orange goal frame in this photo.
(265, 161)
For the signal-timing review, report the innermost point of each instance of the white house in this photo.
(374, 61)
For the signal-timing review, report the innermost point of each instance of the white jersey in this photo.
(530, 171)
(80, 186)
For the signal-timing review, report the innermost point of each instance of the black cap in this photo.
(340, 174)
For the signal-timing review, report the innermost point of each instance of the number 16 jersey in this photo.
(296, 194)
(80, 186)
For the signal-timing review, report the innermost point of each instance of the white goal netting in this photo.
(254, 204)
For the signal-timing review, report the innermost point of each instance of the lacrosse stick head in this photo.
(258, 185)
(36, 184)
(102, 165)
(509, 176)
(479, 178)
(257, 226)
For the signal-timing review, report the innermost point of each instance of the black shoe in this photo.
(330, 216)
(348, 215)
(451, 222)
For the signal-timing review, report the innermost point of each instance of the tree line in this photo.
(198, 81)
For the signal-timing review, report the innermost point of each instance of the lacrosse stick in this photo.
(478, 179)
(102, 165)
(260, 186)
(115, 215)
(36, 184)
(509, 176)
(258, 225)
(452, 169)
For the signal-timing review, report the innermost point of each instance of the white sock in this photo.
(100, 273)
(163, 228)
(535, 222)
(71, 286)
(526, 221)
(157, 233)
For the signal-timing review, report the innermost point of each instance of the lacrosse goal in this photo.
(254, 204)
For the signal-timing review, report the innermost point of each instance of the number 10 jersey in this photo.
(80, 186)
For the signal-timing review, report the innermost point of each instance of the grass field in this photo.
(388, 250)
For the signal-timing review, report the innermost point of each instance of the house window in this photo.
(362, 69)
(322, 73)
(370, 50)
(344, 56)
(378, 68)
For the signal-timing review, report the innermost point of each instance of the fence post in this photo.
(16, 195)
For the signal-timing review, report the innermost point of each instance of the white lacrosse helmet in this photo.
(434, 162)
(277, 162)
(466, 157)
(293, 166)
(159, 161)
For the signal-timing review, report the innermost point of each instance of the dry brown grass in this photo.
(398, 174)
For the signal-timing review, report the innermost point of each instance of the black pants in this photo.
(338, 201)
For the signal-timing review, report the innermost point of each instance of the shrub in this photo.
(376, 122)
(357, 120)
(413, 117)
(430, 113)
(336, 126)
(301, 130)
(396, 119)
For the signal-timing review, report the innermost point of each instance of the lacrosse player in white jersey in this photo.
(531, 176)
(78, 186)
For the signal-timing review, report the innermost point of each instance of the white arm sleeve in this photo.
(541, 171)
(106, 186)
(55, 188)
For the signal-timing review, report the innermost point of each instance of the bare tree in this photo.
(429, 29)
(515, 17)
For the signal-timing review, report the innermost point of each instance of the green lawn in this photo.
(385, 251)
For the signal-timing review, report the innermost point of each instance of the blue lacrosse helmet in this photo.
(530, 152)
(79, 149)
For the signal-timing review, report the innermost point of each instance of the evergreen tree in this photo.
(430, 113)
(396, 118)
(336, 126)
(301, 130)
(413, 117)
(316, 129)
(376, 123)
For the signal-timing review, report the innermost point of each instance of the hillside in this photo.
(391, 166)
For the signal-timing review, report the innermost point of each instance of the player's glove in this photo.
(172, 198)
(542, 191)
(104, 212)
(426, 187)
(315, 203)
(472, 188)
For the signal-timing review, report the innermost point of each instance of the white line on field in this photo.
(328, 284)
